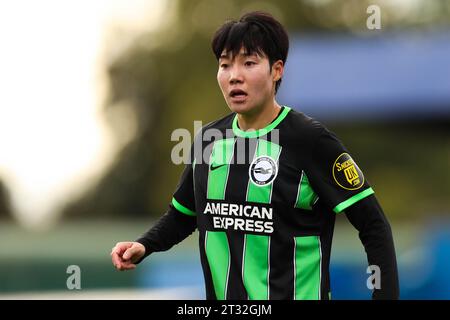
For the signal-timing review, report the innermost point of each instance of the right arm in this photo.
(172, 228)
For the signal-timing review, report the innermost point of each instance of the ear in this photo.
(277, 70)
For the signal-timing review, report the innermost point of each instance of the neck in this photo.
(259, 119)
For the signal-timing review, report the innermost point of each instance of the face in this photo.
(248, 81)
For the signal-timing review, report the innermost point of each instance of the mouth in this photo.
(238, 95)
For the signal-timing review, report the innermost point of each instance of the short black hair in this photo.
(258, 32)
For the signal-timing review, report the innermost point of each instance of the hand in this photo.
(125, 254)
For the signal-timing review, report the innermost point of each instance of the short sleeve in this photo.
(184, 198)
(334, 175)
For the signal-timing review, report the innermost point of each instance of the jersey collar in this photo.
(259, 132)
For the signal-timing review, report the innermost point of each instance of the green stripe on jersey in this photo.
(219, 167)
(305, 194)
(307, 264)
(182, 208)
(263, 194)
(218, 255)
(259, 132)
(255, 266)
(347, 203)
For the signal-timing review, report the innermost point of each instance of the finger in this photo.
(127, 266)
(117, 261)
(116, 248)
(129, 253)
(113, 250)
(119, 249)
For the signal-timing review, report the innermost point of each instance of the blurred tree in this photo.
(167, 80)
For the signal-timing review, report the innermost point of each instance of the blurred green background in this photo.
(155, 72)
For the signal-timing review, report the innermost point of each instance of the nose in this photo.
(235, 75)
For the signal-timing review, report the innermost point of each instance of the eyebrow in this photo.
(227, 56)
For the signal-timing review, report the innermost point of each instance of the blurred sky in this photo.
(52, 133)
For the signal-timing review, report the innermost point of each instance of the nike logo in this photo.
(213, 167)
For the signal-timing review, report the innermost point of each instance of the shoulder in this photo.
(221, 123)
(303, 126)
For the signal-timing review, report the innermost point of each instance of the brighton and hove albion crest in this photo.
(263, 170)
(346, 173)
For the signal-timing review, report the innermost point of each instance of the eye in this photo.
(223, 65)
(249, 63)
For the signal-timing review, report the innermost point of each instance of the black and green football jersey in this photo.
(265, 204)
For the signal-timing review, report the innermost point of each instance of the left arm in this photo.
(375, 233)
(340, 183)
